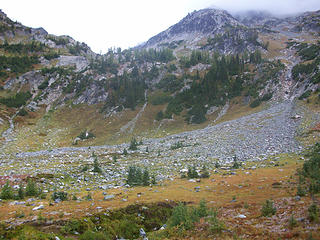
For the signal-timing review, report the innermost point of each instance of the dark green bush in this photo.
(133, 144)
(22, 112)
(301, 69)
(63, 196)
(50, 56)
(89, 235)
(17, 100)
(184, 217)
(310, 52)
(17, 64)
(32, 189)
(138, 178)
(255, 103)
(176, 145)
(74, 225)
(192, 173)
(159, 116)
(216, 225)
(301, 191)
(86, 135)
(96, 166)
(292, 222)
(313, 213)
(268, 209)
(6, 191)
(160, 99)
(304, 95)
(181, 217)
(44, 84)
(204, 172)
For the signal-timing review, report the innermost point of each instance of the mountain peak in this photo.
(201, 23)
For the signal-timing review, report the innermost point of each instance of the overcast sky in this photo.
(125, 23)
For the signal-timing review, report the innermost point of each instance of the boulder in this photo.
(108, 197)
(38, 208)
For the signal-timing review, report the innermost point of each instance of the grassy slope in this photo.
(40, 130)
(248, 187)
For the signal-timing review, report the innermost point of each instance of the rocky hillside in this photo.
(190, 74)
(216, 110)
(208, 29)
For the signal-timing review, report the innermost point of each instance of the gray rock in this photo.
(108, 197)
(142, 232)
(38, 208)
(163, 227)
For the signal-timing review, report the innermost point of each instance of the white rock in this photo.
(38, 208)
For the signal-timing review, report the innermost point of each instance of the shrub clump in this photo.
(184, 218)
(6, 191)
(63, 196)
(309, 175)
(313, 213)
(17, 100)
(86, 135)
(137, 177)
(32, 189)
(268, 209)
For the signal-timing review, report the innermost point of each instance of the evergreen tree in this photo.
(236, 164)
(125, 152)
(31, 189)
(153, 180)
(133, 144)
(146, 178)
(204, 172)
(20, 192)
(189, 174)
(96, 167)
(131, 175)
(6, 191)
(192, 172)
(138, 177)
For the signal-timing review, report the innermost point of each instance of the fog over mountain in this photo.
(283, 7)
(126, 23)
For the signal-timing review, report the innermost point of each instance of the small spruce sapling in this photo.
(21, 192)
(125, 152)
(146, 178)
(6, 191)
(96, 167)
(31, 189)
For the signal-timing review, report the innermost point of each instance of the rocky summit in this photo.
(208, 130)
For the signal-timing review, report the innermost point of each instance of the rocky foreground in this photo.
(251, 138)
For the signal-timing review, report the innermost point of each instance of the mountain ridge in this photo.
(69, 74)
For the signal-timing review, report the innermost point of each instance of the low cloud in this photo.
(278, 7)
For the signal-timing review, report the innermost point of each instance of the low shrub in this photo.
(22, 112)
(313, 213)
(60, 195)
(255, 103)
(6, 191)
(268, 209)
(292, 222)
(304, 95)
(86, 135)
(89, 235)
(17, 100)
